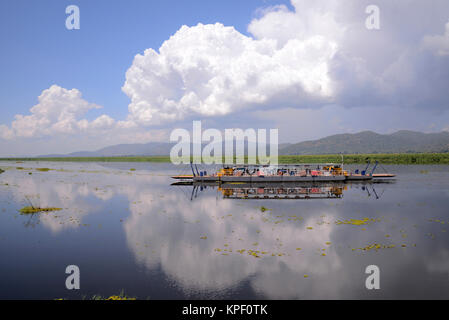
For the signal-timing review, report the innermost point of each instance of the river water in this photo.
(132, 231)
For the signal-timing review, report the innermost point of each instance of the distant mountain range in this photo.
(349, 143)
(134, 149)
(370, 142)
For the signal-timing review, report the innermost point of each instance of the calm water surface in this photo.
(133, 231)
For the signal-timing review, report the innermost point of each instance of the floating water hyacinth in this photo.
(31, 210)
(376, 246)
(121, 296)
(356, 222)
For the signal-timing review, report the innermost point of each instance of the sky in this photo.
(135, 70)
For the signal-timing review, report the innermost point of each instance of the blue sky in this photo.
(39, 51)
(309, 68)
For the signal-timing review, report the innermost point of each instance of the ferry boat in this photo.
(329, 172)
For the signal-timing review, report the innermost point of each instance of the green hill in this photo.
(371, 142)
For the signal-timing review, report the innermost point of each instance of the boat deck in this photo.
(308, 176)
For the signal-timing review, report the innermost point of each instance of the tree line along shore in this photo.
(399, 158)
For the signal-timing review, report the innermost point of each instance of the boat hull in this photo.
(356, 177)
(258, 179)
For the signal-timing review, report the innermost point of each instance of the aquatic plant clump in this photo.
(120, 296)
(357, 222)
(375, 246)
(31, 210)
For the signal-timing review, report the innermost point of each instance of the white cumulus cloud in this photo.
(59, 111)
(215, 70)
(317, 53)
(438, 43)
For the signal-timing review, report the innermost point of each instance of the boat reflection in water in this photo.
(280, 191)
(296, 191)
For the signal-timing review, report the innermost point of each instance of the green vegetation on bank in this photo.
(387, 158)
(96, 159)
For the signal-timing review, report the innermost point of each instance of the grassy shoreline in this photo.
(399, 158)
